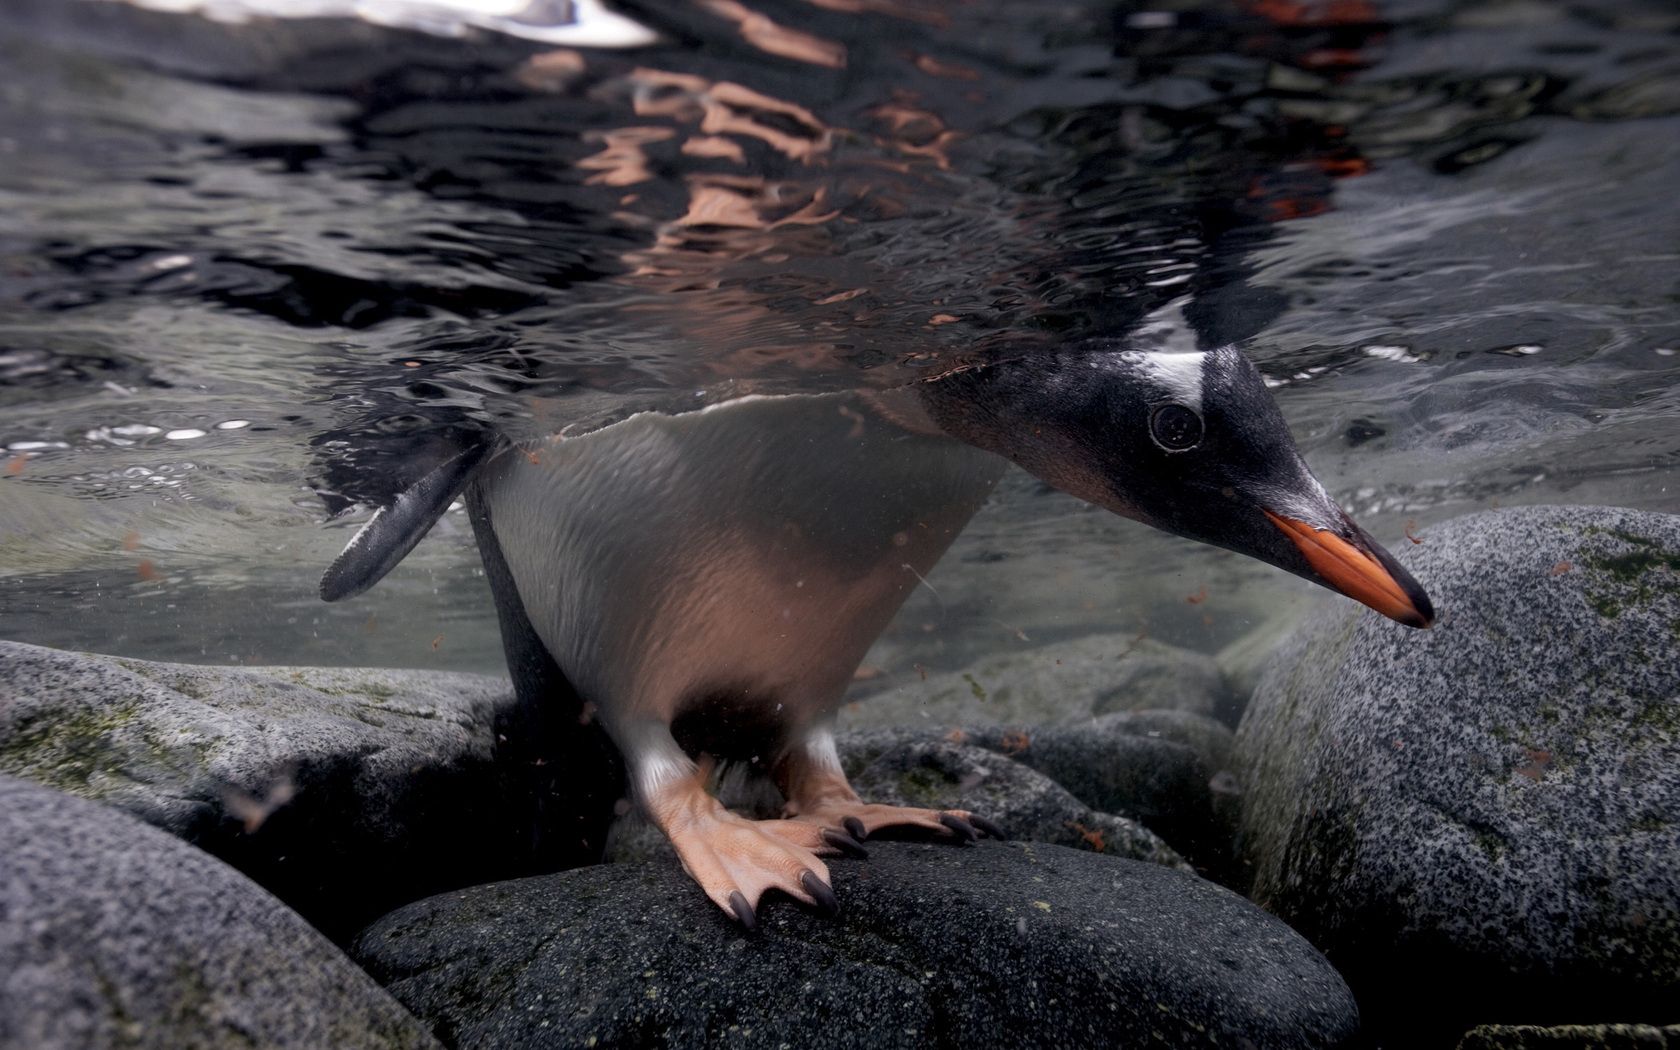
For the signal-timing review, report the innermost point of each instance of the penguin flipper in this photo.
(393, 531)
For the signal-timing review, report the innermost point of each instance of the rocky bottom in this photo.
(1475, 825)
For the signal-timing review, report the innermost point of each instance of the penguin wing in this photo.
(393, 531)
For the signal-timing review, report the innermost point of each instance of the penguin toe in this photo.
(845, 843)
(821, 893)
(737, 861)
(864, 820)
(961, 828)
(743, 911)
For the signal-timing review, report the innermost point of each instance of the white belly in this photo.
(754, 549)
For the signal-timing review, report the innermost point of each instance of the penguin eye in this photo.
(1175, 428)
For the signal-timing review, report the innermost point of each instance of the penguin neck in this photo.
(1031, 412)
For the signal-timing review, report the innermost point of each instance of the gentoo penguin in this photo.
(709, 581)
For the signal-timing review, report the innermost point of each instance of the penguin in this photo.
(707, 582)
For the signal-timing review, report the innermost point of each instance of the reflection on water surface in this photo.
(250, 272)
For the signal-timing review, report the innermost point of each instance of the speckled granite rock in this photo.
(1571, 1037)
(1061, 682)
(293, 775)
(1014, 945)
(115, 934)
(1486, 817)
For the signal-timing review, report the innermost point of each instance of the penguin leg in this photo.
(734, 860)
(819, 794)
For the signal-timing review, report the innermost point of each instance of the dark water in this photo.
(249, 272)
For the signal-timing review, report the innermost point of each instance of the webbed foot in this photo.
(863, 819)
(736, 860)
(818, 794)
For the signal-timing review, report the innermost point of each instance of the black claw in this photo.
(989, 827)
(844, 843)
(855, 826)
(959, 827)
(820, 892)
(743, 911)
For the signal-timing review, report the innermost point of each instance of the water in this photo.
(247, 269)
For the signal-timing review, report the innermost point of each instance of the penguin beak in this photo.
(1358, 567)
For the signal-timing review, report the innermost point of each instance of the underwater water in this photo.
(250, 271)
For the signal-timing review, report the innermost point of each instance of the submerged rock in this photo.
(1485, 817)
(938, 774)
(935, 946)
(296, 776)
(1124, 764)
(1146, 769)
(1244, 660)
(115, 934)
(1057, 683)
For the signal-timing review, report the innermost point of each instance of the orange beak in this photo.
(1357, 573)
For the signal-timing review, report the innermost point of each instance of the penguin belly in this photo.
(709, 582)
(727, 569)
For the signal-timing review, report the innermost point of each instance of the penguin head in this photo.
(1192, 443)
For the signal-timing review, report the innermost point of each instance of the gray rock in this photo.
(1058, 683)
(1015, 945)
(938, 774)
(1149, 766)
(859, 747)
(1212, 741)
(115, 934)
(1244, 661)
(1486, 817)
(1111, 764)
(293, 775)
(1571, 1037)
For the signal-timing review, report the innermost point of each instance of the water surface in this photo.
(250, 272)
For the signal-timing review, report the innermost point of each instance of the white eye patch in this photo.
(1179, 375)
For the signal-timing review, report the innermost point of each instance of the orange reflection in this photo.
(928, 13)
(915, 131)
(714, 146)
(933, 67)
(551, 70)
(622, 161)
(725, 108)
(759, 31)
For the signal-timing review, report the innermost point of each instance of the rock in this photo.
(115, 934)
(1243, 661)
(938, 774)
(1211, 741)
(859, 747)
(1571, 1037)
(1058, 683)
(935, 946)
(294, 775)
(1162, 784)
(1147, 766)
(1486, 817)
